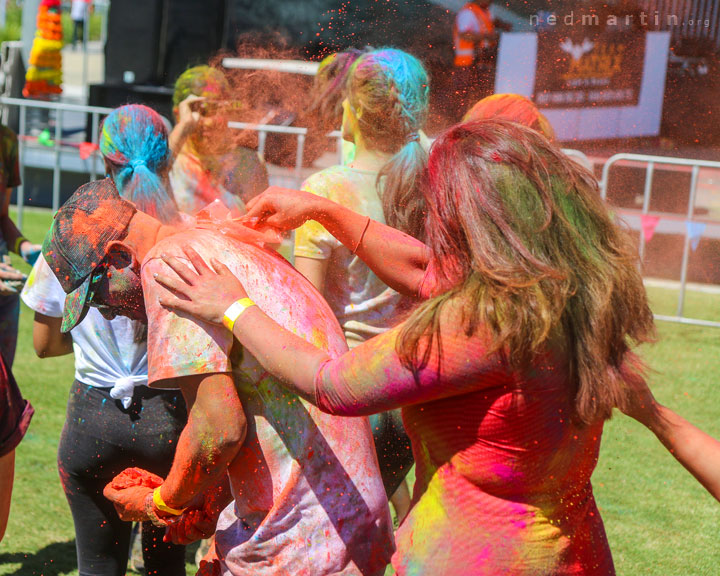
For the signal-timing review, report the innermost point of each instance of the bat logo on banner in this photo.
(576, 50)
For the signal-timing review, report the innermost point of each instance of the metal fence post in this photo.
(646, 202)
(686, 247)
(651, 163)
(21, 160)
(94, 140)
(56, 167)
(299, 158)
(262, 136)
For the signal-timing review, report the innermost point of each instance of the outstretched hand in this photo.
(196, 523)
(11, 280)
(283, 209)
(205, 293)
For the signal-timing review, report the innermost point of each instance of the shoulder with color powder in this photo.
(329, 182)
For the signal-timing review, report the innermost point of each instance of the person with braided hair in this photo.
(385, 109)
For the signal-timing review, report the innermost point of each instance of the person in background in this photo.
(15, 416)
(326, 109)
(519, 109)
(79, 11)
(11, 239)
(475, 41)
(386, 106)
(114, 420)
(511, 107)
(207, 165)
(505, 373)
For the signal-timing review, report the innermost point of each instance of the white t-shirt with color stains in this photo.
(309, 500)
(362, 303)
(108, 353)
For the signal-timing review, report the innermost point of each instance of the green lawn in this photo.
(13, 24)
(658, 518)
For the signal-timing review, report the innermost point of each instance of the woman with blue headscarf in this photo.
(114, 420)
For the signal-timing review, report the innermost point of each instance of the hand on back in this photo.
(283, 208)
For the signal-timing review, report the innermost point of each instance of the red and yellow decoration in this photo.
(44, 76)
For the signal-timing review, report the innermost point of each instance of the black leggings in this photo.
(99, 440)
(392, 446)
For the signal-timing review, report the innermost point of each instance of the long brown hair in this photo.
(520, 235)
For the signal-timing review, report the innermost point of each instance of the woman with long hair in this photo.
(114, 420)
(696, 450)
(385, 107)
(505, 373)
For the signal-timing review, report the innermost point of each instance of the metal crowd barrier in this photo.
(676, 222)
(297, 175)
(64, 156)
(59, 149)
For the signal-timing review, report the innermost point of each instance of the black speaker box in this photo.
(192, 33)
(132, 49)
(154, 41)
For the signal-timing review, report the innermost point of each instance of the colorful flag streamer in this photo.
(649, 223)
(695, 231)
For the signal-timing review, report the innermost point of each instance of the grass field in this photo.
(659, 520)
(13, 24)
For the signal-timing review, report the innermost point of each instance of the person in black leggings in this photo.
(114, 420)
(99, 440)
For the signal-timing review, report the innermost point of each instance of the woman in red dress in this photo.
(507, 370)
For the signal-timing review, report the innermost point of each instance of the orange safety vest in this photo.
(465, 49)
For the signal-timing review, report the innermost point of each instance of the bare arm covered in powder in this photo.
(48, 340)
(208, 443)
(211, 439)
(398, 260)
(697, 451)
(371, 378)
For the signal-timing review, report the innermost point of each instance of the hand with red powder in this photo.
(209, 568)
(193, 525)
(135, 477)
(200, 518)
(129, 492)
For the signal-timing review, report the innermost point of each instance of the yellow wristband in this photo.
(19, 240)
(160, 504)
(234, 310)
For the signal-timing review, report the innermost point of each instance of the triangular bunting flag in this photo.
(695, 231)
(86, 149)
(649, 223)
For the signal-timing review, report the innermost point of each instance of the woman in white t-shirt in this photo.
(114, 421)
(385, 109)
